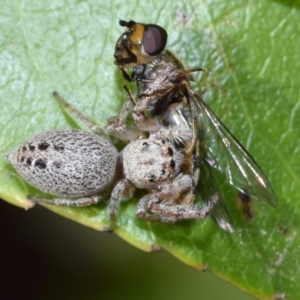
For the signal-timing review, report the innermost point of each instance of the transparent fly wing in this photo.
(223, 152)
(206, 187)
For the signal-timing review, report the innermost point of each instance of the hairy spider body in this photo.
(80, 168)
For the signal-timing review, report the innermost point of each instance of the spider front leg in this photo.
(142, 116)
(153, 208)
(77, 115)
(172, 133)
(80, 202)
(174, 202)
(122, 191)
(116, 125)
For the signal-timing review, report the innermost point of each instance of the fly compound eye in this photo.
(154, 39)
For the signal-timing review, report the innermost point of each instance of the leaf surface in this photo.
(250, 50)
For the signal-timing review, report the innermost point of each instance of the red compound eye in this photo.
(154, 39)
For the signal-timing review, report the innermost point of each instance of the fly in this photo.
(166, 106)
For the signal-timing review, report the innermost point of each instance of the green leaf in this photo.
(251, 52)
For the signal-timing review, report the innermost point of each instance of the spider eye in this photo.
(170, 151)
(152, 178)
(172, 164)
(154, 39)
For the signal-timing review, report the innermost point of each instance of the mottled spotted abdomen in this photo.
(66, 163)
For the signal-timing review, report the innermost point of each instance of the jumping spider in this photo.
(81, 168)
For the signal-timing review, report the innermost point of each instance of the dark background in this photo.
(45, 256)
